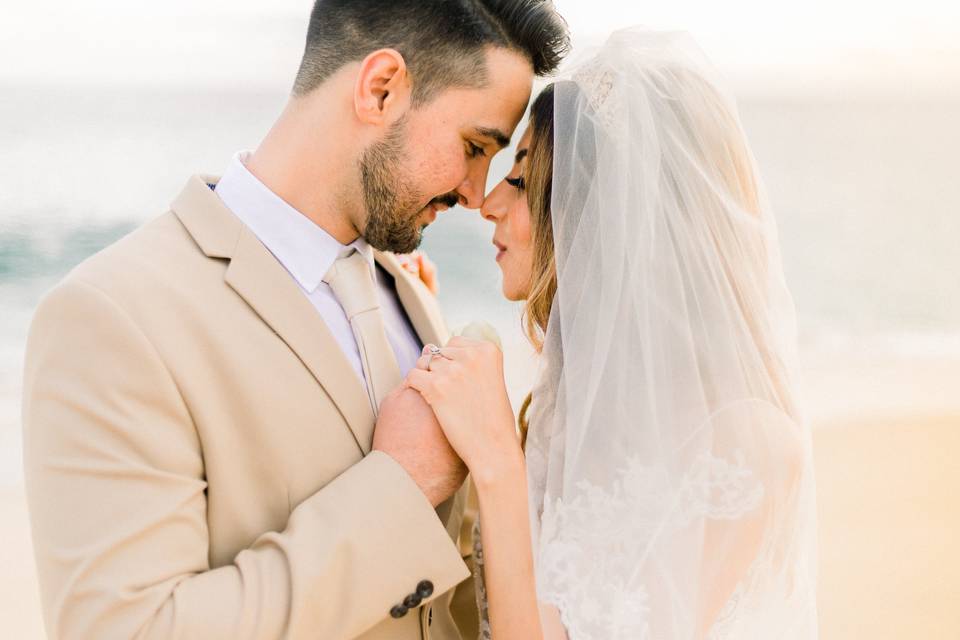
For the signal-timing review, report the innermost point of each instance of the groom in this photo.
(203, 451)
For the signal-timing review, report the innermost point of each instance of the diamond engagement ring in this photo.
(434, 351)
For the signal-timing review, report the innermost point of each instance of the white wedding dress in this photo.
(670, 475)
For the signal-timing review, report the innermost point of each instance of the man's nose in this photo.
(472, 188)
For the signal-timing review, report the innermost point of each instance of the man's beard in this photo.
(393, 206)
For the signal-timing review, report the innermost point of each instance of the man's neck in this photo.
(289, 164)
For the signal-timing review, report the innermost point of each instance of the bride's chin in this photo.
(508, 286)
(513, 294)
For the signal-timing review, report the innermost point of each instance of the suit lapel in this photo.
(266, 286)
(417, 301)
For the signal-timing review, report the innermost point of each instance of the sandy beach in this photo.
(887, 474)
(889, 529)
(886, 436)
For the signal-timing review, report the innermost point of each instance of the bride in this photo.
(661, 487)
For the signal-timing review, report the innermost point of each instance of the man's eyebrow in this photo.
(500, 137)
(520, 156)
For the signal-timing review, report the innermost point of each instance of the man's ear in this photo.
(383, 87)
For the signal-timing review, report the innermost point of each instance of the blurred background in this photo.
(852, 109)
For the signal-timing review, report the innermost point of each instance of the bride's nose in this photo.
(494, 206)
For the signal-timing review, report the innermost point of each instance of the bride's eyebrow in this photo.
(520, 156)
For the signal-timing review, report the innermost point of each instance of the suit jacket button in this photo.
(425, 589)
(412, 601)
(398, 611)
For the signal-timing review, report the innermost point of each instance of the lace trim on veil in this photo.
(599, 597)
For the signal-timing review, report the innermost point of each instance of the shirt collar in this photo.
(304, 249)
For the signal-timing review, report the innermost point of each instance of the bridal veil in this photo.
(669, 464)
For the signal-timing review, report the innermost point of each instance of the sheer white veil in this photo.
(669, 466)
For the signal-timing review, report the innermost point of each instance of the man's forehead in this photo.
(494, 109)
(493, 120)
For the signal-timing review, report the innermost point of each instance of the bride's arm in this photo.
(553, 628)
(465, 388)
(508, 560)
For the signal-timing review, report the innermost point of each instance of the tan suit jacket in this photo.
(198, 452)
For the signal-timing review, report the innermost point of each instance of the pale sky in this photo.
(258, 43)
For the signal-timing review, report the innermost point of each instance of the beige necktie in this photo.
(351, 280)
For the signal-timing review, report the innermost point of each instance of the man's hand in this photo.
(408, 431)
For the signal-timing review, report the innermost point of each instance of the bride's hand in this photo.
(418, 264)
(464, 385)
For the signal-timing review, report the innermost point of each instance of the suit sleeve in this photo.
(117, 495)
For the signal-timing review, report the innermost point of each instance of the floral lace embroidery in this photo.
(598, 83)
(588, 549)
(720, 489)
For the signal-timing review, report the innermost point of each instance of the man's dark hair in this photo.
(442, 41)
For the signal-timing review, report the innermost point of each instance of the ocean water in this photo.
(866, 191)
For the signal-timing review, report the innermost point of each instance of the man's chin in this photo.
(397, 244)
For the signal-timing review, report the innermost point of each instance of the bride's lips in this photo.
(501, 249)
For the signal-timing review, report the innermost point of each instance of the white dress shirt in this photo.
(307, 252)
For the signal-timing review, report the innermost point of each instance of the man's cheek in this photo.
(443, 169)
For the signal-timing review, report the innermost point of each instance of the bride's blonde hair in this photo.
(539, 185)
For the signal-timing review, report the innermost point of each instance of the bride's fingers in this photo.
(434, 350)
(430, 362)
(462, 353)
(428, 273)
(423, 362)
(421, 381)
(445, 352)
(438, 364)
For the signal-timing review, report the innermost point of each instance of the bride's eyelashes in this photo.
(518, 183)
